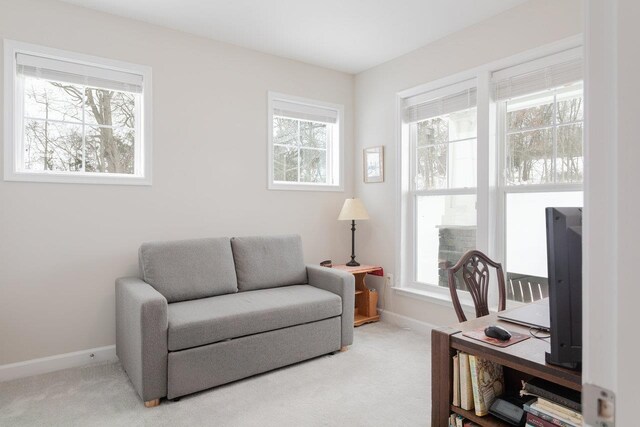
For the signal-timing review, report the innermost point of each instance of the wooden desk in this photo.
(521, 361)
(366, 299)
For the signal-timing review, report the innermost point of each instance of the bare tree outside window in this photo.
(75, 128)
(445, 151)
(431, 155)
(300, 150)
(544, 140)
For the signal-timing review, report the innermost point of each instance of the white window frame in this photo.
(490, 194)
(408, 144)
(335, 146)
(13, 115)
(504, 189)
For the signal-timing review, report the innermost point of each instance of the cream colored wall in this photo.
(62, 245)
(533, 24)
(628, 212)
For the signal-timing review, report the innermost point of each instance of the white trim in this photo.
(44, 365)
(401, 181)
(601, 339)
(463, 191)
(300, 186)
(440, 92)
(11, 172)
(542, 188)
(537, 64)
(407, 322)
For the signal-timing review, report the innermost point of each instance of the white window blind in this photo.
(538, 75)
(77, 73)
(425, 106)
(300, 111)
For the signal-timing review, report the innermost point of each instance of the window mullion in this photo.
(84, 130)
(299, 143)
(19, 131)
(555, 139)
(413, 161)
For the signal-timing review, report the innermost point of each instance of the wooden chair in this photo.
(474, 266)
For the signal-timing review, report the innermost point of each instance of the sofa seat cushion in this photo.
(209, 320)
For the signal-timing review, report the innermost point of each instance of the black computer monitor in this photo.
(564, 261)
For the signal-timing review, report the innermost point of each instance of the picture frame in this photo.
(373, 164)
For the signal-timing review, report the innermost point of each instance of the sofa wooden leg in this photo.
(152, 403)
(343, 349)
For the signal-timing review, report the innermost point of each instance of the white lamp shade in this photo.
(353, 209)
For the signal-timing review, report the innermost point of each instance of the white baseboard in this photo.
(407, 322)
(43, 365)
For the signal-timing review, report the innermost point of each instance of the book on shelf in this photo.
(456, 420)
(456, 380)
(562, 411)
(555, 419)
(574, 418)
(535, 421)
(466, 388)
(487, 379)
(551, 392)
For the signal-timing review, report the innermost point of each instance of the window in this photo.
(441, 131)
(540, 114)
(305, 148)
(482, 155)
(73, 118)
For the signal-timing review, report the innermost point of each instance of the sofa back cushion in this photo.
(268, 262)
(189, 269)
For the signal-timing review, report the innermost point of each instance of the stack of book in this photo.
(476, 384)
(460, 421)
(555, 405)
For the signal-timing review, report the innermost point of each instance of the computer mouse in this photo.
(497, 332)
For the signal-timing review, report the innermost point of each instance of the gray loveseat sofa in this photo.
(207, 312)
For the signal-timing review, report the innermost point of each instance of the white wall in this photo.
(525, 27)
(62, 245)
(612, 208)
(628, 232)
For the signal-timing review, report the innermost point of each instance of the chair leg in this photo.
(152, 403)
(343, 349)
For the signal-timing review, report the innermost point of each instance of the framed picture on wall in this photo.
(373, 164)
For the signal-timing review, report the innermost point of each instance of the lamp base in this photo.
(353, 263)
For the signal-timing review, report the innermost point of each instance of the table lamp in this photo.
(351, 210)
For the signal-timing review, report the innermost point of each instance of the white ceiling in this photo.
(345, 35)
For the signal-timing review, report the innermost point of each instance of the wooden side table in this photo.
(366, 299)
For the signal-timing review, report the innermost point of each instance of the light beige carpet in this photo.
(383, 380)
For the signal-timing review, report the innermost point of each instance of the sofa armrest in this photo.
(340, 283)
(141, 336)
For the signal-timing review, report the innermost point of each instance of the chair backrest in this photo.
(474, 268)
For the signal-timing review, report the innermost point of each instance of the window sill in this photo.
(304, 187)
(432, 297)
(77, 178)
(445, 300)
